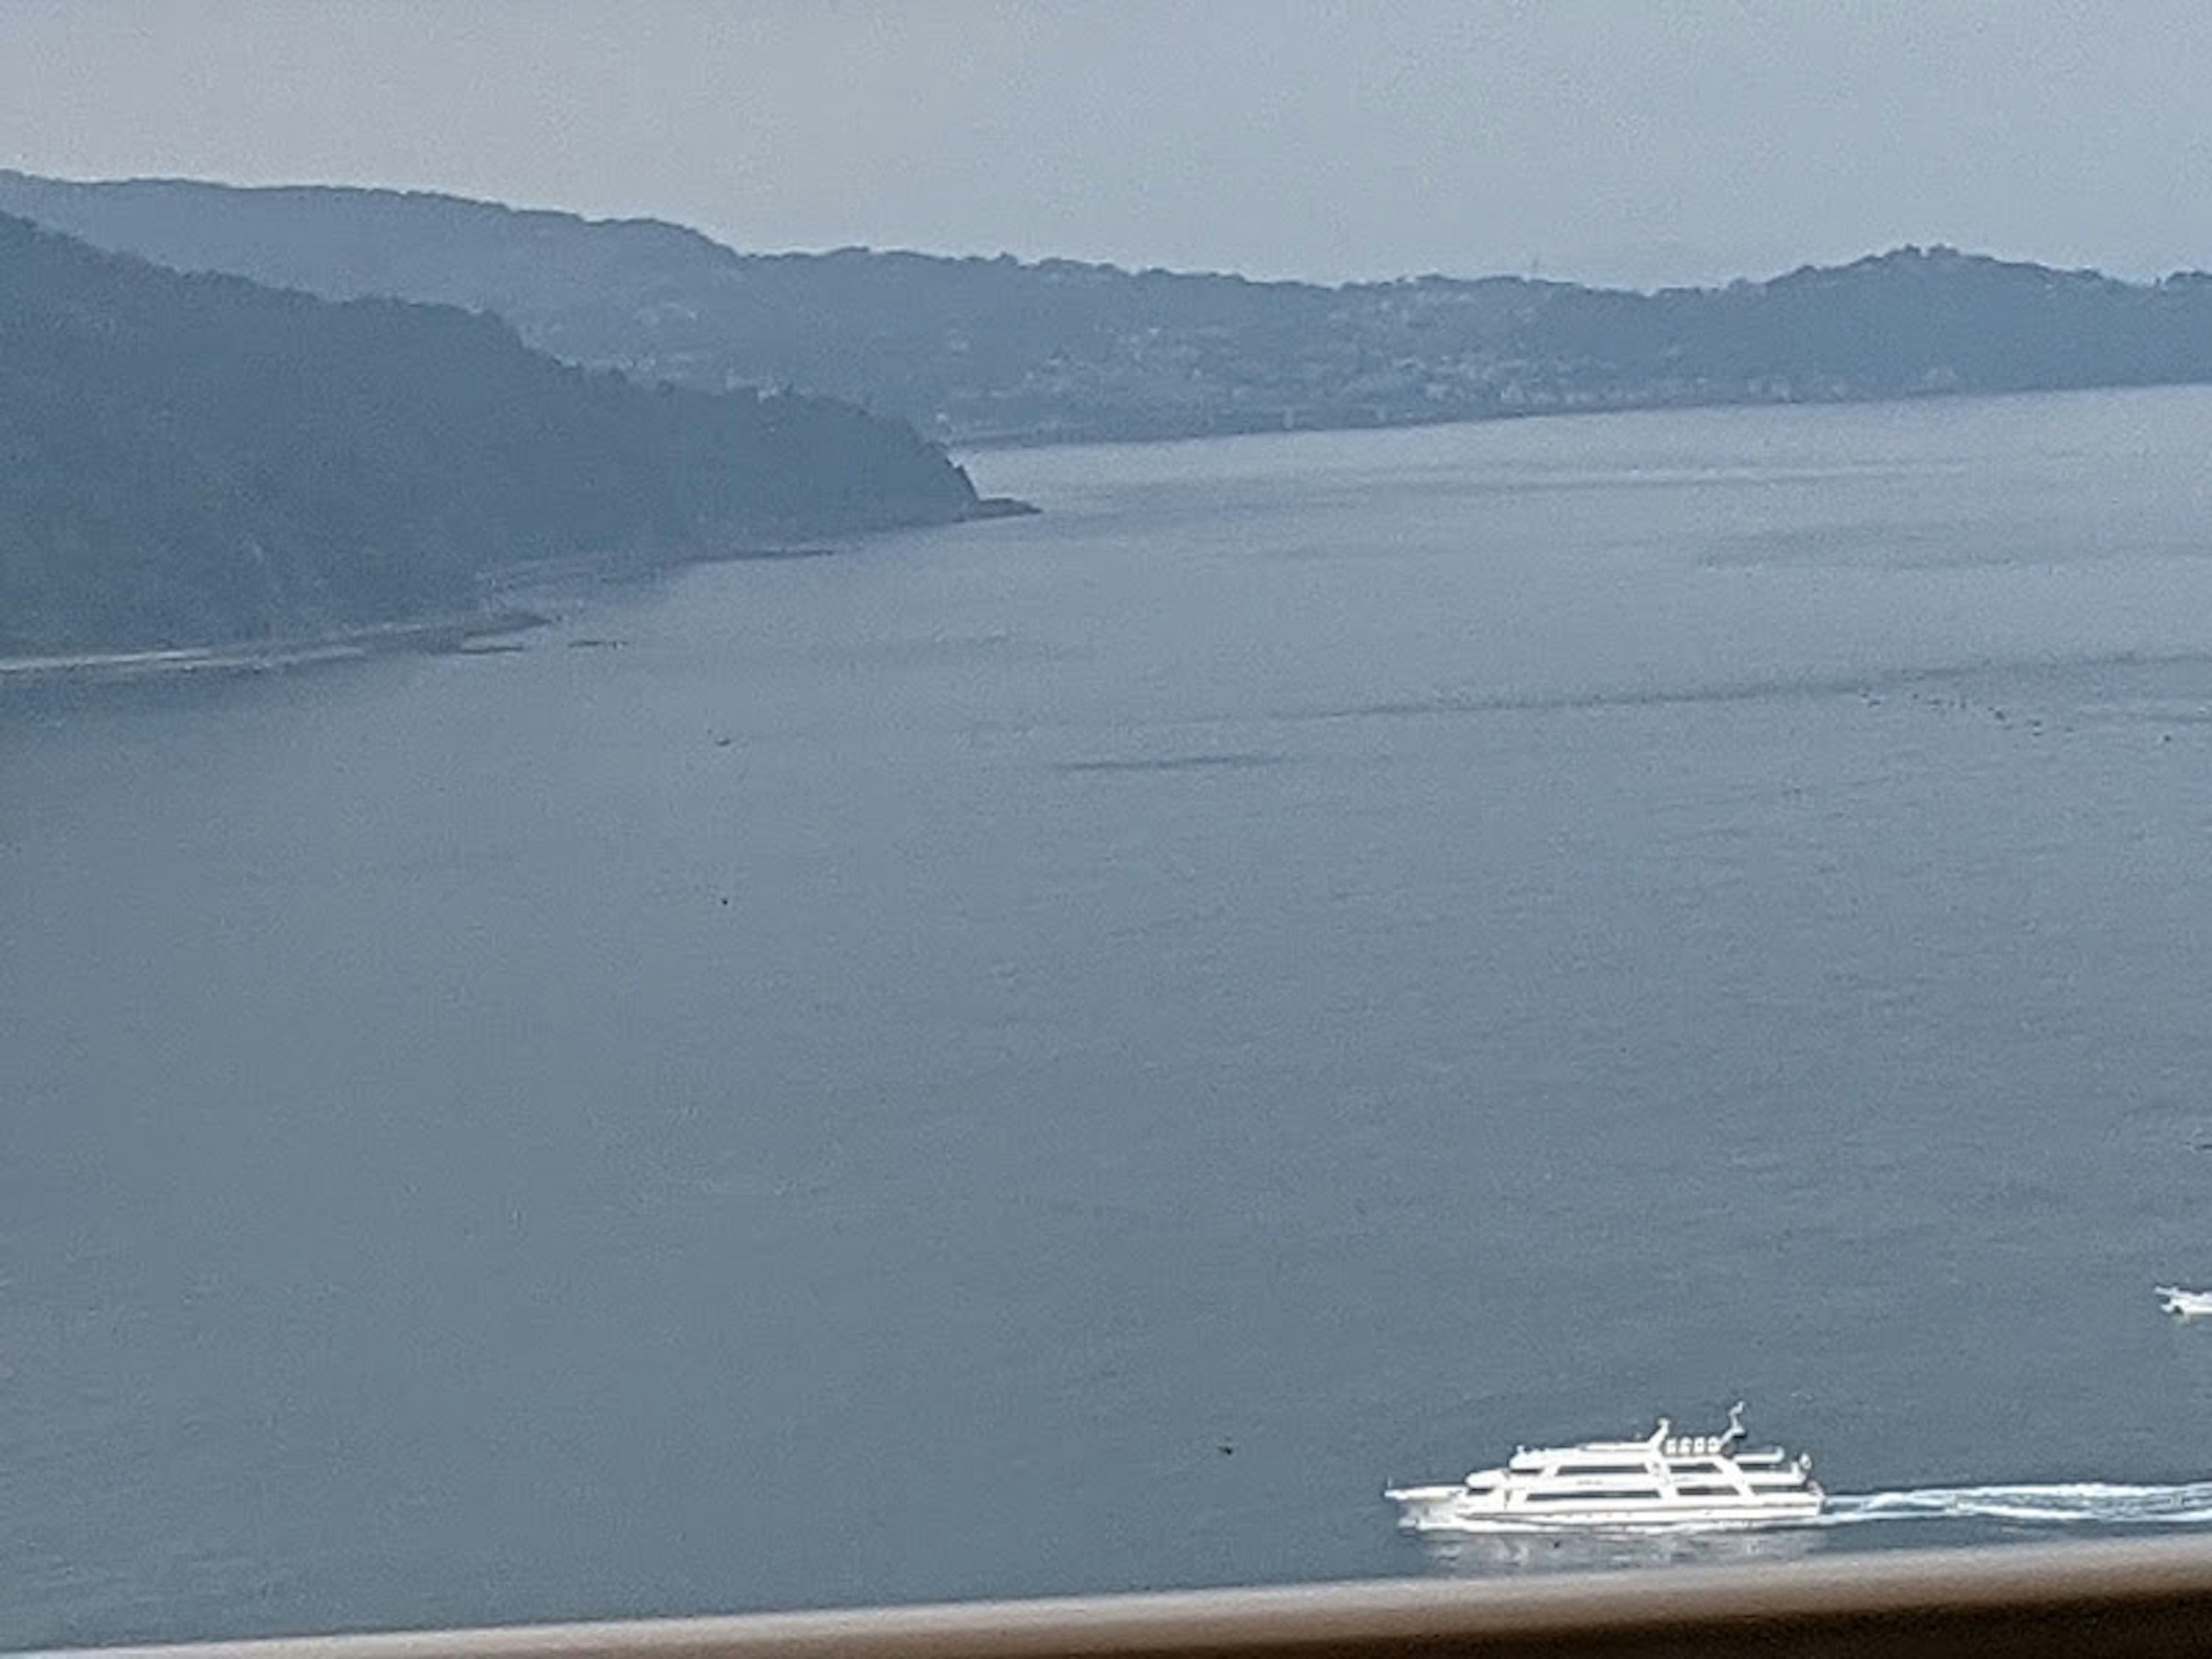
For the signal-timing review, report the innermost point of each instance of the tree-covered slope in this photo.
(1915, 320)
(196, 458)
(985, 348)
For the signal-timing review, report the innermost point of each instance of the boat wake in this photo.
(2087, 1503)
(2076, 1504)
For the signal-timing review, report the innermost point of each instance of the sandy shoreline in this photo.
(517, 583)
(264, 656)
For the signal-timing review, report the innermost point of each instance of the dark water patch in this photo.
(1450, 704)
(1226, 762)
(763, 554)
(1979, 686)
(1905, 548)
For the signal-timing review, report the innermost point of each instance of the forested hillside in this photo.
(189, 460)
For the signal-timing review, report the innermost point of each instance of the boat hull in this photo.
(1448, 1508)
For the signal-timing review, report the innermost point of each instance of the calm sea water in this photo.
(1063, 1055)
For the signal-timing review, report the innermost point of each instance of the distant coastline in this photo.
(994, 353)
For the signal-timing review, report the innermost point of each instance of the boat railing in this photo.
(2082, 1600)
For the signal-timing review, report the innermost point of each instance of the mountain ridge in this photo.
(976, 349)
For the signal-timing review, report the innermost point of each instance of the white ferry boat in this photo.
(1667, 1480)
(2184, 1304)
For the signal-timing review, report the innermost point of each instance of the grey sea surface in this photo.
(1064, 1054)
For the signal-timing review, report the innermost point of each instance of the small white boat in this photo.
(1663, 1481)
(2183, 1304)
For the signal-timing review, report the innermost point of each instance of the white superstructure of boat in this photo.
(2184, 1304)
(1665, 1480)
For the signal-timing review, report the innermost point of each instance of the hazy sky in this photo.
(1613, 140)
